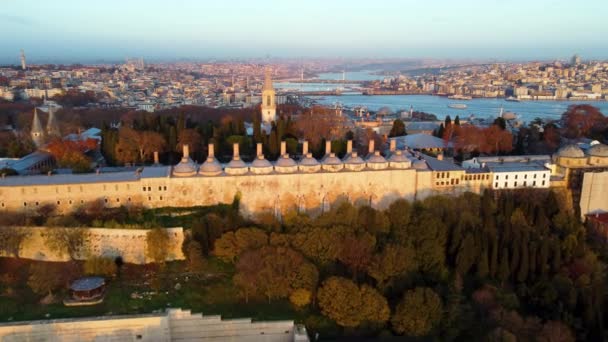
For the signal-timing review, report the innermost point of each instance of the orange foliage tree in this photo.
(71, 153)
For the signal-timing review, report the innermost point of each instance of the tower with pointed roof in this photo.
(52, 127)
(269, 106)
(37, 131)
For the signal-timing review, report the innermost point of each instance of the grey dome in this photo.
(186, 167)
(332, 163)
(309, 164)
(285, 161)
(571, 151)
(354, 159)
(399, 160)
(236, 164)
(211, 167)
(260, 163)
(420, 165)
(376, 158)
(598, 150)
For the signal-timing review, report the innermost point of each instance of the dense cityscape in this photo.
(291, 198)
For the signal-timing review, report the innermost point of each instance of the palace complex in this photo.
(311, 185)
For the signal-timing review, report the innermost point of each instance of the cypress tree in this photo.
(504, 270)
(524, 264)
(457, 120)
(439, 131)
(557, 256)
(543, 257)
(448, 121)
(532, 254)
(494, 258)
(482, 265)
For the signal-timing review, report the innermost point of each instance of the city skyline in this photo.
(68, 32)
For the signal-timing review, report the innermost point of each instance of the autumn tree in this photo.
(232, 244)
(398, 129)
(43, 279)
(350, 305)
(583, 121)
(11, 239)
(392, 262)
(70, 241)
(418, 312)
(100, 266)
(157, 245)
(356, 253)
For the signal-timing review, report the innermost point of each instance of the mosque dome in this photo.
(285, 164)
(332, 163)
(185, 168)
(376, 161)
(211, 167)
(260, 165)
(354, 162)
(420, 165)
(309, 163)
(571, 151)
(598, 150)
(236, 167)
(399, 160)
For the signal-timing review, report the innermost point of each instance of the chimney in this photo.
(283, 148)
(349, 147)
(372, 146)
(235, 151)
(186, 151)
(393, 145)
(327, 147)
(440, 156)
(258, 152)
(156, 158)
(305, 147)
(211, 151)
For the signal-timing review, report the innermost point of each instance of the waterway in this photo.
(482, 108)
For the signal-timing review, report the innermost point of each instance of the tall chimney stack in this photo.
(156, 158)
(235, 152)
(211, 151)
(186, 151)
(258, 152)
(372, 146)
(327, 147)
(283, 148)
(349, 147)
(305, 147)
(393, 145)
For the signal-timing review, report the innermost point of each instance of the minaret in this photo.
(52, 127)
(37, 131)
(269, 107)
(23, 65)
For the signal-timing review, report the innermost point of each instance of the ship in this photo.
(512, 99)
(458, 106)
(460, 97)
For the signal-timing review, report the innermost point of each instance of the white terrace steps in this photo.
(186, 327)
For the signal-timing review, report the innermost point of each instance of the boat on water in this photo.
(460, 97)
(512, 99)
(457, 106)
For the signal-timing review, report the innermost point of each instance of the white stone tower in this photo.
(37, 131)
(23, 65)
(269, 106)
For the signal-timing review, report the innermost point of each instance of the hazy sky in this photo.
(89, 30)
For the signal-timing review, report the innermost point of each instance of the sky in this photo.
(71, 31)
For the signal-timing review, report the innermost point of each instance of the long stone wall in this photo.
(310, 192)
(129, 244)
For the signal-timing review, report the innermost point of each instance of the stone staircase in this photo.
(185, 327)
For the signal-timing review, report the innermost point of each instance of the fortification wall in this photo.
(130, 244)
(272, 192)
(593, 192)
